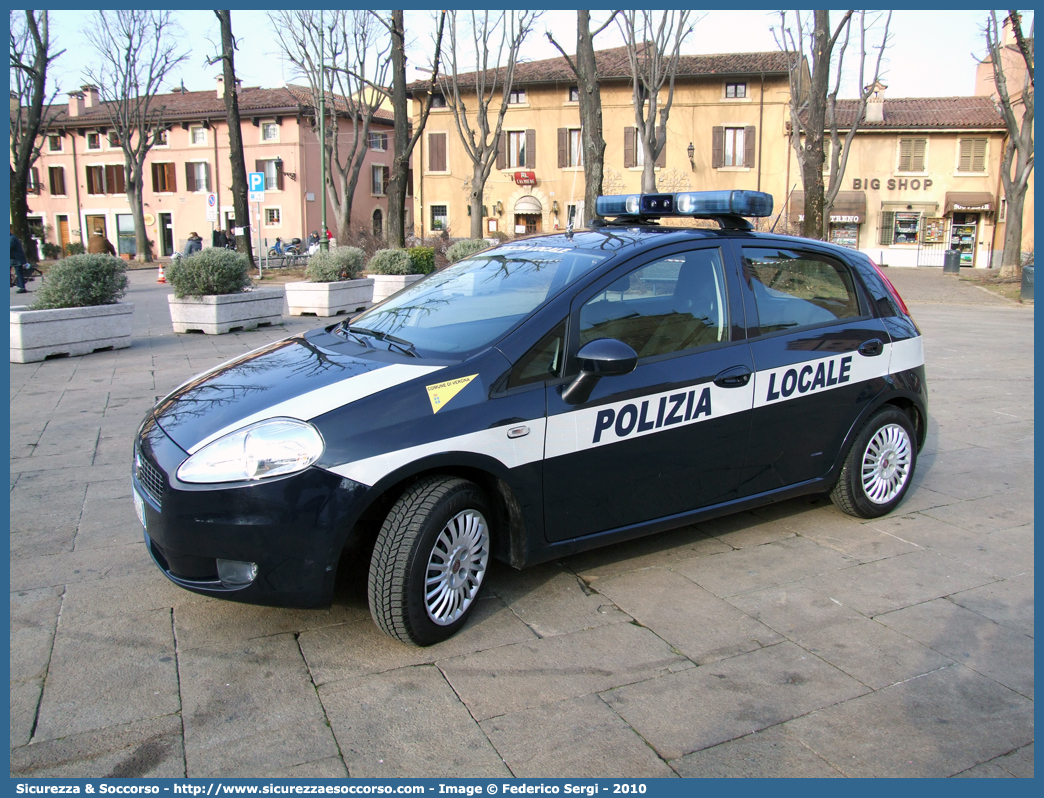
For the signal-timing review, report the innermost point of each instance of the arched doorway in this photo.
(378, 223)
(529, 214)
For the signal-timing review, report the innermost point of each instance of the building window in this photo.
(1002, 215)
(733, 146)
(570, 151)
(379, 141)
(54, 143)
(438, 100)
(93, 141)
(378, 223)
(163, 178)
(516, 149)
(197, 176)
(379, 182)
(437, 152)
(273, 174)
(273, 217)
(56, 174)
(33, 186)
(439, 217)
(197, 135)
(517, 97)
(972, 156)
(114, 140)
(106, 179)
(269, 131)
(574, 94)
(900, 227)
(735, 90)
(161, 139)
(911, 154)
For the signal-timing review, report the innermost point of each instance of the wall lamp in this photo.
(554, 207)
(499, 208)
(279, 166)
(692, 152)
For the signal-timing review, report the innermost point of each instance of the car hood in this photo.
(300, 377)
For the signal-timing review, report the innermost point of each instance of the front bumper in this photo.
(294, 528)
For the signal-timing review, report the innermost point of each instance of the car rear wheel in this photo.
(879, 466)
(430, 559)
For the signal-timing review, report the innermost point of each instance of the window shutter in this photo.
(887, 228)
(121, 185)
(629, 136)
(563, 147)
(530, 149)
(443, 154)
(978, 161)
(661, 159)
(259, 166)
(34, 179)
(409, 183)
(917, 164)
(90, 179)
(502, 151)
(905, 154)
(717, 147)
(386, 179)
(206, 172)
(190, 177)
(279, 176)
(750, 134)
(965, 162)
(155, 179)
(172, 177)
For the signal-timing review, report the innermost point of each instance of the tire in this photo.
(438, 525)
(272, 253)
(879, 466)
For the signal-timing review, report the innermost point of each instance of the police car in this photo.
(550, 395)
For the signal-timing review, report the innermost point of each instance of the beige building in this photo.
(727, 130)
(922, 177)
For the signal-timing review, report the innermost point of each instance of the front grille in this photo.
(152, 479)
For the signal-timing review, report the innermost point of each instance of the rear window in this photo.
(472, 303)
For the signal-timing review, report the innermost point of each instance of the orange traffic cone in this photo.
(161, 279)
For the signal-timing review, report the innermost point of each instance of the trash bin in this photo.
(1026, 295)
(952, 261)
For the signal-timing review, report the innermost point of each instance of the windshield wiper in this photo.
(404, 346)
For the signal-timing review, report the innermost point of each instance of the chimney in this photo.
(75, 103)
(875, 105)
(220, 86)
(91, 95)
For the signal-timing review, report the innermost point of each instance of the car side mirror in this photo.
(606, 357)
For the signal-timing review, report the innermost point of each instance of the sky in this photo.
(917, 63)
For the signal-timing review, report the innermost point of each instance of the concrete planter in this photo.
(38, 334)
(329, 299)
(384, 285)
(217, 314)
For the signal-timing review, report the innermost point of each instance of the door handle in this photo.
(733, 377)
(871, 348)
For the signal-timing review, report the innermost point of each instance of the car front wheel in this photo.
(430, 559)
(879, 466)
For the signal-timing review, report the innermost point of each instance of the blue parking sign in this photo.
(256, 186)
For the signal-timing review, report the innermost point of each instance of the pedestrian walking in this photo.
(194, 244)
(17, 262)
(100, 245)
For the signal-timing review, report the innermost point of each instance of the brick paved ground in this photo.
(789, 641)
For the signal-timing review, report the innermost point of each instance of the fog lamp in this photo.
(234, 573)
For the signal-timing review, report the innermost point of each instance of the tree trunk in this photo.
(649, 175)
(240, 199)
(1011, 259)
(401, 137)
(20, 208)
(134, 181)
(478, 187)
(812, 163)
(590, 97)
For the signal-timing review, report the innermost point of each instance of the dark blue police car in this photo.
(547, 396)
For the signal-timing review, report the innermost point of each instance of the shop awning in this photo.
(528, 204)
(849, 207)
(963, 201)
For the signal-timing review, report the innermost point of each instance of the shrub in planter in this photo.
(51, 251)
(209, 272)
(390, 261)
(75, 248)
(82, 281)
(422, 260)
(342, 263)
(465, 248)
(76, 312)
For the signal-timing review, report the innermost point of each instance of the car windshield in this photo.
(472, 303)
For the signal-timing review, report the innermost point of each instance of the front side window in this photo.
(516, 149)
(671, 305)
(911, 155)
(475, 301)
(269, 131)
(543, 361)
(795, 289)
(734, 146)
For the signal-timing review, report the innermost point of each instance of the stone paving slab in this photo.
(790, 640)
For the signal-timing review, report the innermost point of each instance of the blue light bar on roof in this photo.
(689, 203)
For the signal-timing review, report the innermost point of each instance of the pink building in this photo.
(78, 183)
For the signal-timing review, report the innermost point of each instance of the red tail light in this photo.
(891, 288)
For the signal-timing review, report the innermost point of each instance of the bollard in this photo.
(1026, 294)
(952, 261)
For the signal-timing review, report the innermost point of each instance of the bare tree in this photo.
(1017, 165)
(653, 50)
(813, 103)
(137, 51)
(480, 138)
(589, 95)
(235, 132)
(31, 57)
(359, 58)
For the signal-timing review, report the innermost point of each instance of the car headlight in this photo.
(269, 448)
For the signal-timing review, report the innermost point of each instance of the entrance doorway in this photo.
(527, 223)
(96, 224)
(964, 235)
(63, 233)
(166, 235)
(378, 223)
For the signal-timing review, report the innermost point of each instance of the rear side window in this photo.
(798, 289)
(671, 305)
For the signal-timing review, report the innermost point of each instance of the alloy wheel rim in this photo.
(886, 464)
(456, 567)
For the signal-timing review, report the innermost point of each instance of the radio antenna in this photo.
(783, 209)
